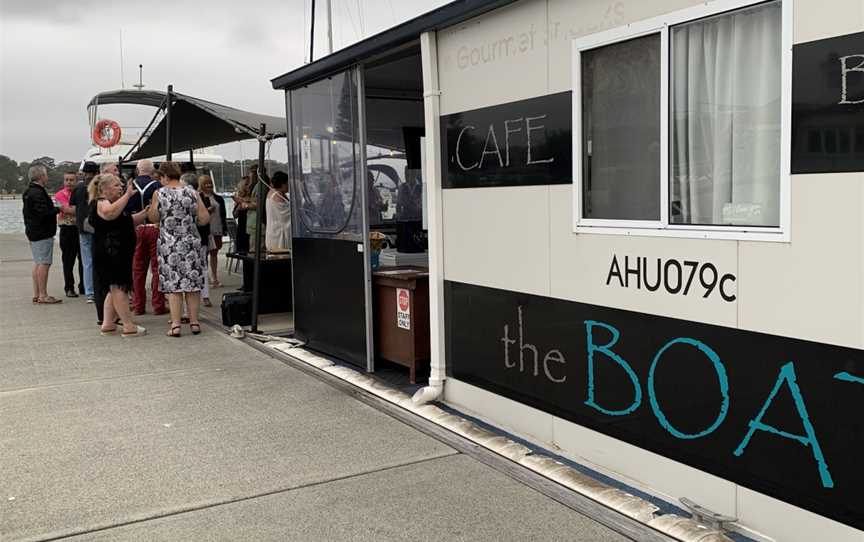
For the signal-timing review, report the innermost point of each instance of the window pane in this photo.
(725, 115)
(326, 160)
(621, 130)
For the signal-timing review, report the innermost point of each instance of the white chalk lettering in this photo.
(458, 157)
(844, 70)
(507, 342)
(507, 132)
(528, 130)
(524, 346)
(557, 357)
(491, 135)
(553, 356)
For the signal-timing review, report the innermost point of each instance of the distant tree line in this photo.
(14, 175)
(14, 179)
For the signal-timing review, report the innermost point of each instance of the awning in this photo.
(197, 123)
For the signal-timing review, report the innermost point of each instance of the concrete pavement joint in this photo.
(202, 370)
(583, 504)
(227, 502)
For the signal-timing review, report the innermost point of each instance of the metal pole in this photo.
(168, 123)
(292, 192)
(256, 274)
(192, 158)
(362, 187)
(312, 35)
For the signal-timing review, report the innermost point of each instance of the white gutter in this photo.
(432, 109)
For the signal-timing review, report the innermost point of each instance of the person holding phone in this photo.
(113, 250)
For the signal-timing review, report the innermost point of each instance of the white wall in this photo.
(521, 239)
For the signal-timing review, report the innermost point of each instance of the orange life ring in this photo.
(99, 136)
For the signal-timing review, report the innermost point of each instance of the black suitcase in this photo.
(237, 309)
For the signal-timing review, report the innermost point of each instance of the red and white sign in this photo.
(403, 308)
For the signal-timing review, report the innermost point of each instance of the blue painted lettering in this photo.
(721, 378)
(605, 349)
(846, 377)
(787, 375)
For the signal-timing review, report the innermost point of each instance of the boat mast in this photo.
(140, 85)
(122, 76)
(312, 35)
(329, 31)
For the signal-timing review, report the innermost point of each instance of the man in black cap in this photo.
(85, 231)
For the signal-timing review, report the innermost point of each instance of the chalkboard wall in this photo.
(781, 416)
(515, 144)
(828, 105)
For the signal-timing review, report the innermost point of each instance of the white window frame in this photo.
(663, 228)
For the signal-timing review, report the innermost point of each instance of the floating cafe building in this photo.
(627, 231)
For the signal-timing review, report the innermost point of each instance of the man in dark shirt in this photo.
(145, 247)
(85, 231)
(40, 226)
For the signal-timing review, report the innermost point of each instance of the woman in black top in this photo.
(113, 249)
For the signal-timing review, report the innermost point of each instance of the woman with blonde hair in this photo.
(113, 249)
(218, 224)
(178, 209)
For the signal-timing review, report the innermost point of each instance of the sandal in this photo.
(215, 284)
(48, 300)
(195, 328)
(139, 331)
(106, 332)
(35, 300)
(171, 331)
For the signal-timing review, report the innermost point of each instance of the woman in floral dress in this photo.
(178, 210)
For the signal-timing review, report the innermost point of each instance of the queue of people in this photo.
(116, 233)
(163, 221)
(277, 212)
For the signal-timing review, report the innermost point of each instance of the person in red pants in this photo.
(145, 245)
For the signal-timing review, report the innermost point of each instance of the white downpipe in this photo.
(432, 109)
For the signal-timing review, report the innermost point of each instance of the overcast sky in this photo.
(57, 54)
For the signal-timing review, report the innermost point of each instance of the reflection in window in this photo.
(725, 119)
(326, 157)
(621, 130)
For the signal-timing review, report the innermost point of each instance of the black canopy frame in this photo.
(193, 123)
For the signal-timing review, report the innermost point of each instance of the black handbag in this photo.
(237, 309)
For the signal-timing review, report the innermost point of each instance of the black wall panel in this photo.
(329, 298)
(828, 105)
(781, 416)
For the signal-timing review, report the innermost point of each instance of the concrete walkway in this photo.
(205, 438)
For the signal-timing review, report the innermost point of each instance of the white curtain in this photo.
(726, 119)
